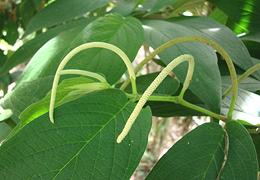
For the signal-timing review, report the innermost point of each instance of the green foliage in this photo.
(89, 115)
(60, 11)
(242, 15)
(81, 143)
(209, 152)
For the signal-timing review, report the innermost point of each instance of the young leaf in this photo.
(68, 90)
(81, 143)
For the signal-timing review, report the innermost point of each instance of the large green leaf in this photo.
(113, 29)
(241, 160)
(81, 143)
(223, 36)
(200, 155)
(243, 14)
(60, 11)
(25, 52)
(206, 82)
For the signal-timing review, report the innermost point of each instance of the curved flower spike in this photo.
(156, 82)
(76, 50)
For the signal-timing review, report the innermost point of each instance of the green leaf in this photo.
(27, 9)
(167, 109)
(168, 87)
(81, 143)
(26, 52)
(256, 140)
(156, 5)
(125, 7)
(243, 14)
(4, 130)
(241, 159)
(177, 6)
(247, 107)
(60, 11)
(249, 84)
(24, 95)
(113, 29)
(206, 82)
(252, 42)
(198, 155)
(222, 35)
(5, 80)
(11, 28)
(68, 90)
(219, 16)
(2, 58)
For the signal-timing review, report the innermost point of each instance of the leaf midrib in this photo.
(88, 141)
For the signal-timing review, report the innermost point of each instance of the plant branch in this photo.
(177, 100)
(152, 87)
(206, 41)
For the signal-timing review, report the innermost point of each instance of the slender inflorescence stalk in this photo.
(153, 87)
(206, 41)
(78, 49)
(243, 76)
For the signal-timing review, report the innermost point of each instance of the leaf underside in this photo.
(81, 143)
(200, 155)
